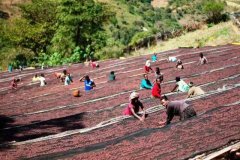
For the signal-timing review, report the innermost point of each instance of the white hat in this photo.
(133, 95)
(148, 63)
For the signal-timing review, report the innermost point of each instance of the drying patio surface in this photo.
(49, 123)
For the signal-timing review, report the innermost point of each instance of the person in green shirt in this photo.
(180, 86)
(10, 68)
(154, 57)
(112, 76)
(145, 83)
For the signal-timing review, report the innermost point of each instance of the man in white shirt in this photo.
(42, 80)
(202, 60)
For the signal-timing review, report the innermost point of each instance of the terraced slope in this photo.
(48, 123)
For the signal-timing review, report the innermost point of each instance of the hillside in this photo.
(43, 31)
(223, 33)
(117, 24)
(50, 122)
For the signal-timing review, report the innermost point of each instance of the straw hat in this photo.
(133, 95)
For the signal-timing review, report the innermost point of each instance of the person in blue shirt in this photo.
(145, 83)
(88, 83)
(154, 57)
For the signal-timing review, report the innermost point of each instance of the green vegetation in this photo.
(29, 36)
(220, 34)
(214, 10)
(65, 31)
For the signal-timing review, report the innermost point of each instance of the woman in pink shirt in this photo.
(94, 64)
(134, 106)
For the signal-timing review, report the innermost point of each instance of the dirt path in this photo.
(10, 7)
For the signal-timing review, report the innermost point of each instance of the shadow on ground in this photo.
(10, 132)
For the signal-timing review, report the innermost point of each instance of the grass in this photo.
(233, 5)
(237, 2)
(223, 33)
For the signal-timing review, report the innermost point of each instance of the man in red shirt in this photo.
(156, 91)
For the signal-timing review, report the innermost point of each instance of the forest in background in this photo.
(56, 32)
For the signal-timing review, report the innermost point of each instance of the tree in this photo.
(41, 14)
(34, 30)
(214, 9)
(23, 34)
(79, 24)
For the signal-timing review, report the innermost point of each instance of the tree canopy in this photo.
(64, 31)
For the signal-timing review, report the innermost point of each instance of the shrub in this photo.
(138, 23)
(114, 20)
(139, 36)
(55, 59)
(131, 9)
(124, 22)
(213, 9)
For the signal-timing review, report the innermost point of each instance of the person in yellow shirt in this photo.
(35, 78)
(194, 91)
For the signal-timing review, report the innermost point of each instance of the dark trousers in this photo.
(189, 112)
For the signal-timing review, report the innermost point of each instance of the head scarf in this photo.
(148, 63)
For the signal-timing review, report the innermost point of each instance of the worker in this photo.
(147, 67)
(180, 86)
(88, 83)
(154, 57)
(112, 76)
(202, 59)
(179, 64)
(156, 90)
(133, 107)
(194, 90)
(145, 83)
(176, 108)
